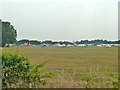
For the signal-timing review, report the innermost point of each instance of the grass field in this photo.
(75, 67)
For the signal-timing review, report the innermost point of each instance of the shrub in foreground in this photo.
(18, 72)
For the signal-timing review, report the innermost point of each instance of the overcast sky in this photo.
(62, 19)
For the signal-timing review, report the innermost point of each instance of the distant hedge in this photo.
(17, 72)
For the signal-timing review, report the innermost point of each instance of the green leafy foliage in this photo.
(116, 83)
(9, 33)
(18, 72)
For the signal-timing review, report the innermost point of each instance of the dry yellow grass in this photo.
(78, 63)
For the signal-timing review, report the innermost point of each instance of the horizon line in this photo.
(66, 40)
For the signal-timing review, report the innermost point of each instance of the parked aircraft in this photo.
(26, 44)
(44, 45)
(82, 45)
(63, 45)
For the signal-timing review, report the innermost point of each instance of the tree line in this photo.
(95, 42)
(8, 34)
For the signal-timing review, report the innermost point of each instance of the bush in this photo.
(18, 72)
(116, 83)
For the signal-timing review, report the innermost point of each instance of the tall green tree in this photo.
(9, 33)
(0, 33)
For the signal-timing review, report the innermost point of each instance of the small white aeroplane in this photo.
(63, 45)
(82, 45)
(106, 45)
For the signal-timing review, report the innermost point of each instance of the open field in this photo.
(75, 66)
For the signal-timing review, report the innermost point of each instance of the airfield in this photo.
(74, 67)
